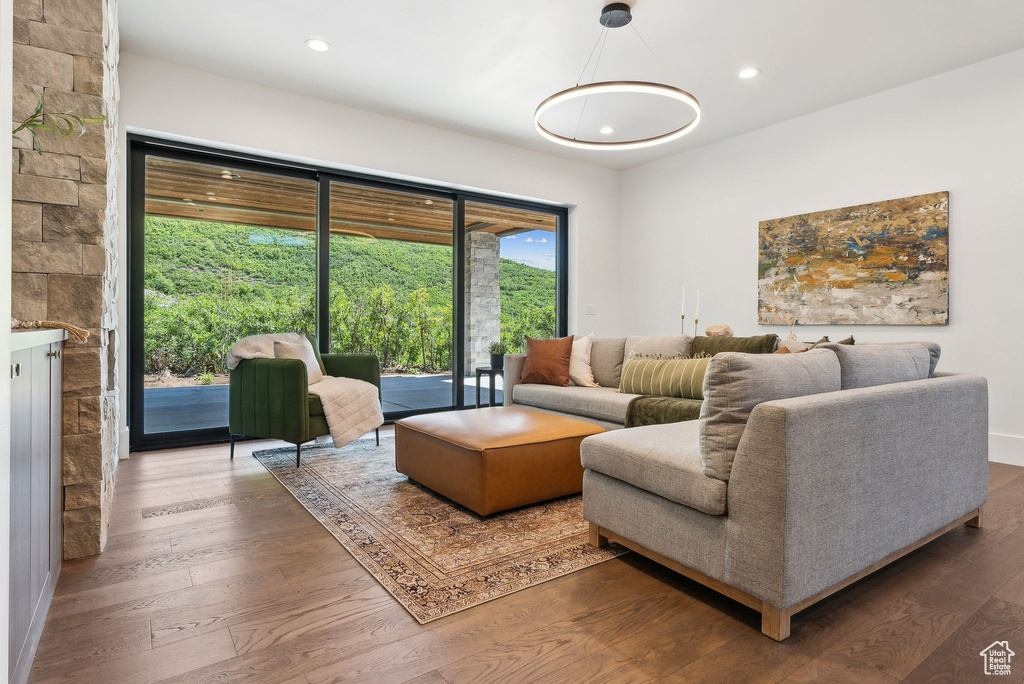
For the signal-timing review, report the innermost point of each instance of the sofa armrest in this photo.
(269, 398)
(512, 376)
(364, 367)
(827, 485)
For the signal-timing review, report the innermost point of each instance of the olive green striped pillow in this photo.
(665, 377)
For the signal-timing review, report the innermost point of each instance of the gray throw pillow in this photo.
(664, 346)
(868, 365)
(606, 355)
(736, 382)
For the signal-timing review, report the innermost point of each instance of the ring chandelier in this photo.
(616, 15)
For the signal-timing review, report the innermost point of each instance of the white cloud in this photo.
(528, 240)
(511, 237)
(543, 239)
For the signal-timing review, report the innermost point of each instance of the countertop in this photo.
(34, 337)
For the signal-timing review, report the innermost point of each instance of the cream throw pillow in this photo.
(303, 351)
(580, 372)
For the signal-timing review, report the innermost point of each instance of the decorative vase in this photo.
(497, 360)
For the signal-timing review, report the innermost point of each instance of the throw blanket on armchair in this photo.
(352, 407)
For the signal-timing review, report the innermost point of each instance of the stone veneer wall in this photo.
(483, 298)
(64, 246)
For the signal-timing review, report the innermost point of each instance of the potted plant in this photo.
(498, 351)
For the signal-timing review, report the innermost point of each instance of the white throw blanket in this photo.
(352, 407)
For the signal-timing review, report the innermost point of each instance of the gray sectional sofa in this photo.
(804, 473)
(603, 405)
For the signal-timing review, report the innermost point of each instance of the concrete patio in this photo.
(171, 409)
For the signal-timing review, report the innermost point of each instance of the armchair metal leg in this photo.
(232, 447)
(378, 436)
(298, 455)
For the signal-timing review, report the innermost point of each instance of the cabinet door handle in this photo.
(54, 354)
(16, 370)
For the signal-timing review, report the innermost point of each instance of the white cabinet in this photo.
(35, 553)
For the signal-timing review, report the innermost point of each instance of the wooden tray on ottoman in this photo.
(493, 459)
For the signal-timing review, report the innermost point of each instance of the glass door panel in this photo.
(391, 275)
(228, 253)
(511, 256)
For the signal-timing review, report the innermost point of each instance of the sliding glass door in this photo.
(225, 245)
(511, 286)
(226, 253)
(391, 278)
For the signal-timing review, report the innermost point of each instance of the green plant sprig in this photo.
(61, 123)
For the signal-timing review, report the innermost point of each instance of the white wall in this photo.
(172, 100)
(693, 218)
(6, 76)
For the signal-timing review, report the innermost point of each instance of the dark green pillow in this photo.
(758, 344)
(316, 352)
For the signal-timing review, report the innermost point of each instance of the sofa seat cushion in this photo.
(316, 407)
(661, 459)
(605, 403)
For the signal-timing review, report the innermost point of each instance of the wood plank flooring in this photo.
(214, 573)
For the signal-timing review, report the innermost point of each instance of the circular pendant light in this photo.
(616, 15)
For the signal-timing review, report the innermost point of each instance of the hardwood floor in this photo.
(214, 573)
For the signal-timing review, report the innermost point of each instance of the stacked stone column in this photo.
(483, 297)
(64, 236)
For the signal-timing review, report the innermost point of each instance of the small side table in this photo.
(491, 373)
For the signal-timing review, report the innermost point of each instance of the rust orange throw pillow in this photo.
(547, 361)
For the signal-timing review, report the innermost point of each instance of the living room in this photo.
(649, 338)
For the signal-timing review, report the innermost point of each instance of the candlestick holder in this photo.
(682, 323)
(695, 321)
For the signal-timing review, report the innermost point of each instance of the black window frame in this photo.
(139, 146)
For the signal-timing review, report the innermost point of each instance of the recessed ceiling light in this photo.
(211, 193)
(391, 219)
(607, 130)
(749, 72)
(318, 45)
(429, 202)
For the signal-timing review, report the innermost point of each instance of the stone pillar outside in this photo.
(483, 298)
(64, 236)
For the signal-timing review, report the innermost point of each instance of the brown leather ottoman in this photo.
(493, 459)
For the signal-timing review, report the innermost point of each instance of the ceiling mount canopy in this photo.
(615, 15)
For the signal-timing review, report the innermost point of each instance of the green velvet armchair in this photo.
(270, 399)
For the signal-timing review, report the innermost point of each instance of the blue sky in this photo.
(534, 248)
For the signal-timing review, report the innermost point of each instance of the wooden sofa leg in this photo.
(596, 538)
(232, 447)
(298, 455)
(774, 622)
(976, 520)
(378, 436)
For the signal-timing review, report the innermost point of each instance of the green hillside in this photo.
(209, 284)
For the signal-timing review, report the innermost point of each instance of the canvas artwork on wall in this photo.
(883, 263)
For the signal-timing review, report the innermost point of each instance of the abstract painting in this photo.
(885, 263)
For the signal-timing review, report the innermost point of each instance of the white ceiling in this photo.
(482, 66)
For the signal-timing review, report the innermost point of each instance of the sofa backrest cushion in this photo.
(606, 354)
(658, 345)
(737, 382)
(868, 365)
(758, 344)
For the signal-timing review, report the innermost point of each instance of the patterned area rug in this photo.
(434, 556)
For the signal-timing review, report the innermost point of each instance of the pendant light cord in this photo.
(591, 56)
(593, 77)
(663, 66)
